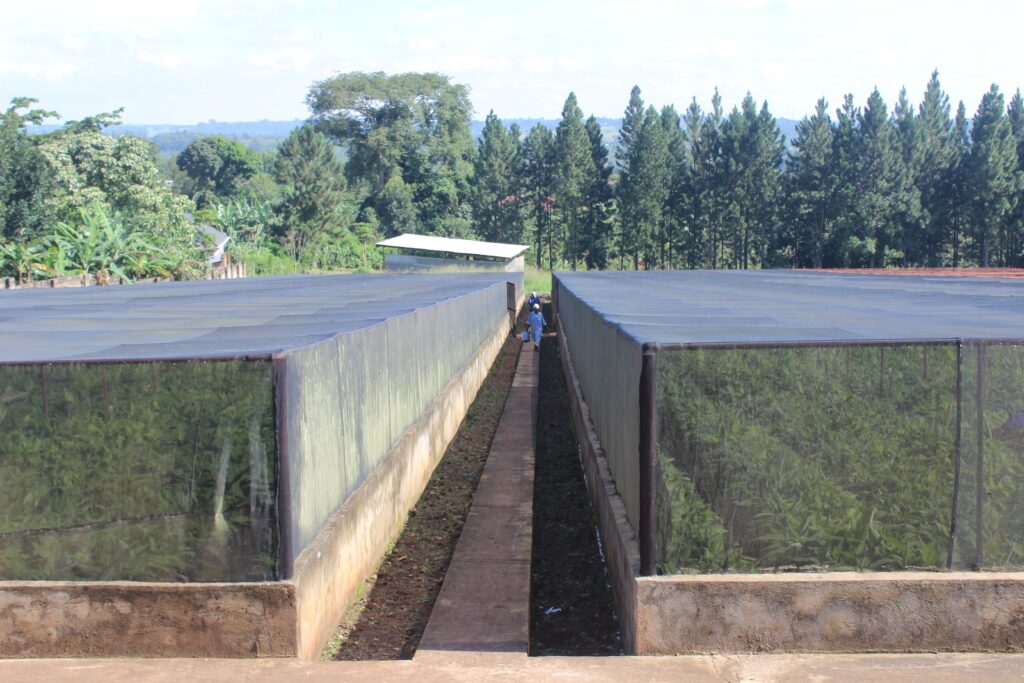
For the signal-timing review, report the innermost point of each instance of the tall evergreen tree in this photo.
(880, 179)
(938, 154)
(650, 180)
(1015, 114)
(848, 235)
(672, 225)
(910, 227)
(537, 171)
(494, 198)
(811, 187)
(598, 224)
(625, 156)
(955, 185)
(314, 186)
(993, 182)
(574, 167)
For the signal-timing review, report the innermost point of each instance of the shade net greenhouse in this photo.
(206, 431)
(758, 421)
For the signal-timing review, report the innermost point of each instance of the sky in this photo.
(187, 61)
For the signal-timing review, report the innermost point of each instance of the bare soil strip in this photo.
(388, 620)
(571, 611)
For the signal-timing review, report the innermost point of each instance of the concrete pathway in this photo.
(484, 604)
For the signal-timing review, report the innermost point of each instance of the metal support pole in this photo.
(286, 561)
(648, 455)
(979, 483)
(956, 456)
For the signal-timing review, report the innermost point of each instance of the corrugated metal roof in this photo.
(450, 245)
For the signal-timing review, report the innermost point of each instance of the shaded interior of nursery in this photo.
(760, 421)
(205, 431)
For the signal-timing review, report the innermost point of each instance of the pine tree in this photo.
(314, 184)
(677, 155)
(848, 235)
(598, 224)
(1015, 113)
(537, 178)
(938, 154)
(811, 187)
(494, 197)
(880, 178)
(954, 206)
(992, 179)
(906, 198)
(574, 167)
(632, 122)
(651, 175)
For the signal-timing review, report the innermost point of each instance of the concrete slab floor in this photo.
(465, 666)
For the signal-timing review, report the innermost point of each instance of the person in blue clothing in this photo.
(534, 300)
(536, 322)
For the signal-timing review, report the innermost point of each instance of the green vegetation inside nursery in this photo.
(855, 457)
(138, 471)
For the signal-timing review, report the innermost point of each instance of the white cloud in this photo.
(56, 71)
(289, 58)
(168, 59)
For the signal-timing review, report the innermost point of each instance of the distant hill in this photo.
(267, 135)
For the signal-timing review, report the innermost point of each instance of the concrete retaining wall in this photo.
(128, 619)
(805, 612)
(349, 547)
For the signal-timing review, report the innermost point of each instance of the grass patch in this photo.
(537, 280)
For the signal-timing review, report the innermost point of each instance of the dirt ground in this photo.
(388, 619)
(571, 611)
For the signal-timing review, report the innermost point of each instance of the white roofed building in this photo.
(425, 252)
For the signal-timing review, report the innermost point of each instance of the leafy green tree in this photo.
(87, 167)
(993, 183)
(217, 166)
(314, 190)
(811, 187)
(408, 142)
(24, 180)
(537, 178)
(574, 169)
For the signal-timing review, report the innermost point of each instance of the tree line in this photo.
(710, 189)
(380, 154)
